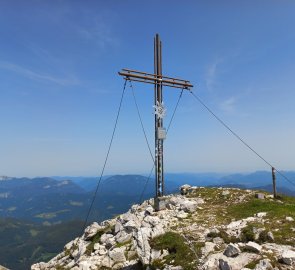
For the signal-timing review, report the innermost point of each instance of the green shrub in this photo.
(247, 234)
(263, 237)
(179, 252)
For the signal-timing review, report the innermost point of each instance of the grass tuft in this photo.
(180, 253)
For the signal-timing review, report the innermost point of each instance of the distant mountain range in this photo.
(48, 206)
(174, 180)
(49, 201)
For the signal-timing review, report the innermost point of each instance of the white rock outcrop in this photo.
(126, 241)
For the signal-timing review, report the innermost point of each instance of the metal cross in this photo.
(159, 81)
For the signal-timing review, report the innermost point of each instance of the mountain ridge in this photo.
(204, 228)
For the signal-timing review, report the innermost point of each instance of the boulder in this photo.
(152, 220)
(127, 217)
(105, 238)
(218, 241)
(208, 248)
(156, 231)
(107, 262)
(131, 225)
(77, 253)
(214, 231)
(142, 245)
(36, 266)
(189, 206)
(270, 236)
(223, 265)
(84, 265)
(184, 189)
(149, 210)
(176, 200)
(117, 255)
(155, 254)
(232, 250)
(100, 250)
(225, 193)
(254, 247)
(91, 230)
(123, 237)
(118, 227)
(182, 214)
(261, 214)
(263, 265)
(288, 257)
(289, 219)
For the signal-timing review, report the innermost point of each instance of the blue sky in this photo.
(59, 87)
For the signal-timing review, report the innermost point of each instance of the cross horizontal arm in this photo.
(154, 79)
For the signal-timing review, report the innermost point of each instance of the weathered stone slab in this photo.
(117, 255)
(232, 250)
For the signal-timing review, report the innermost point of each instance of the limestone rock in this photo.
(118, 227)
(208, 248)
(189, 206)
(143, 248)
(254, 247)
(155, 254)
(289, 219)
(270, 236)
(182, 214)
(184, 189)
(107, 238)
(263, 265)
(84, 265)
(91, 230)
(232, 250)
(152, 220)
(131, 225)
(149, 210)
(225, 193)
(123, 237)
(218, 241)
(261, 214)
(81, 249)
(100, 250)
(117, 255)
(156, 231)
(223, 265)
(129, 241)
(107, 262)
(288, 257)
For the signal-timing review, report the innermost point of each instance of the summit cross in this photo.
(159, 81)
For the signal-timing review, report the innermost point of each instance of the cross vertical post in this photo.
(158, 80)
(159, 172)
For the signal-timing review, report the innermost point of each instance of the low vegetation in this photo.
(95, 239)
(179, 252)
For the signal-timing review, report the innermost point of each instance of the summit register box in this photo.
(161, 133)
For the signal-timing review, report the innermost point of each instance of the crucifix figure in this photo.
(160, 133)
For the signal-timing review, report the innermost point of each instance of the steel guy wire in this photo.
(238, 137)
(107, 156)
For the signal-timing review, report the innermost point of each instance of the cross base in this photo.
(159, 203)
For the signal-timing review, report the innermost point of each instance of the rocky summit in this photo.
(201, 228)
